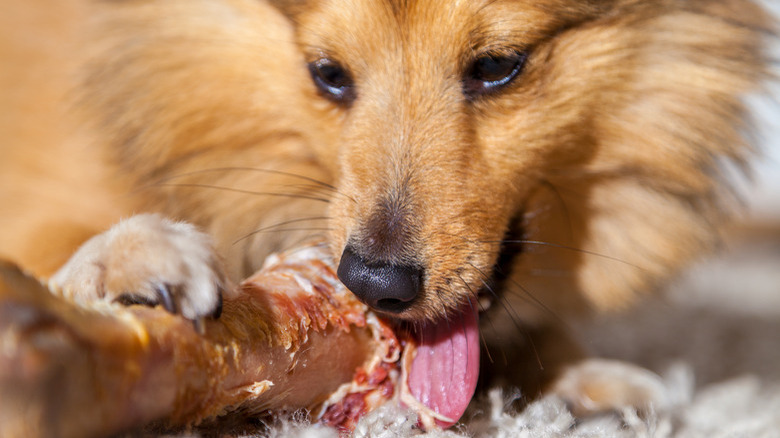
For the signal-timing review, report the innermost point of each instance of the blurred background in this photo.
(721, 319)
(764, 197)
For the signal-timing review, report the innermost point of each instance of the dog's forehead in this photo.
(442, 27)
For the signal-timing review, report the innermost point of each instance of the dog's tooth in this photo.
(485, 303)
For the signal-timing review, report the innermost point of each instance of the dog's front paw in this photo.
(149, 260)
(598, 385)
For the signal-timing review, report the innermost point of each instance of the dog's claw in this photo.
(164, 294)
(199, 325)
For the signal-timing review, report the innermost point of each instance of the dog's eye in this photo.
(490, 72)
(333, 81)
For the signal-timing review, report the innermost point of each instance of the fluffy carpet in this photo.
(738, 408)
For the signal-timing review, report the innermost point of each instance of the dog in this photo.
(515, 162)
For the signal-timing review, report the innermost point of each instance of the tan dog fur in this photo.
(603, 157)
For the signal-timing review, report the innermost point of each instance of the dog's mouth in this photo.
(444, 373)
(442, 376)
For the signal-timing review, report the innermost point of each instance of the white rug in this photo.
(742, 407)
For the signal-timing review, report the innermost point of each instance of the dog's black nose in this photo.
(382, 286)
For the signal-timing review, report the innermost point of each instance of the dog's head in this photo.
(592, 128)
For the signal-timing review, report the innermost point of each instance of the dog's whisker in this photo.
(505, 304)
(482, 337)
(562, 202)
(277, 227)
(283, 230)
(525, 294)
(317, 187)
(295, 245)
(568, 248)
(512, 314)
(548, 273)
(246, 169)
(248, 192)
(323, 190)
(444, 312)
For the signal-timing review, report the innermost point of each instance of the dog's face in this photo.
(465, 122)
(452, 113)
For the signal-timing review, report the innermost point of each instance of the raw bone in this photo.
(293, 338)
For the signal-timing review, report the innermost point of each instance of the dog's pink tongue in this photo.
(444, 372)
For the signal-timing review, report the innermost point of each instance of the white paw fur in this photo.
(599, 385)
(148, 259)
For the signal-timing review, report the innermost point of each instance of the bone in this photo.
(291, 339)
